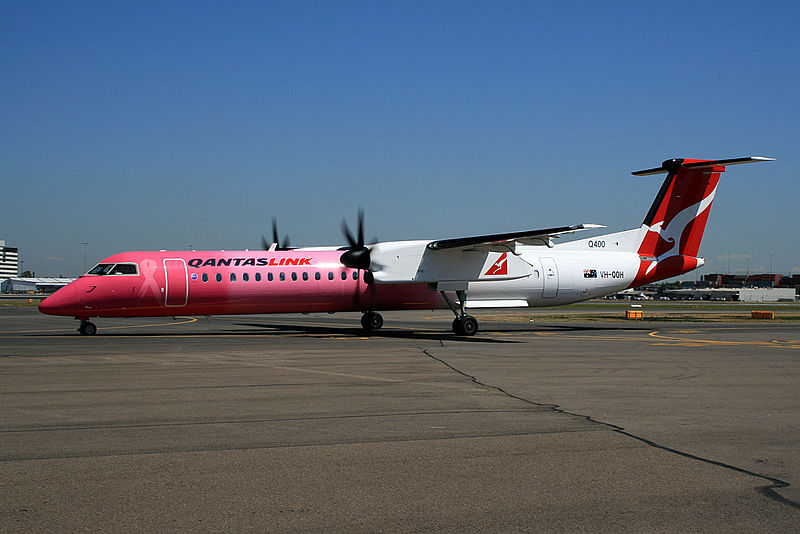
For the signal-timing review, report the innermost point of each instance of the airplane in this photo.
(504, 270)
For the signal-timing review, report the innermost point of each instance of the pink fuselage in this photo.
(232, 282)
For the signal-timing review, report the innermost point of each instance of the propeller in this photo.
(276, 243)
(357, 254)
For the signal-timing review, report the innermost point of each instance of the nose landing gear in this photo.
(87, 328)
(371, 321)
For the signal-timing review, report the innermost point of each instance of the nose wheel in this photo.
(87, 328)
(371, 321)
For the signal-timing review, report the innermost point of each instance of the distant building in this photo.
(33, 285)
(9, 261)
(791, 281)
(766, 294)
(737, 294)
(738, 280)
(725, 280)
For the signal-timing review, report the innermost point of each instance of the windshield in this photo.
(103, 269)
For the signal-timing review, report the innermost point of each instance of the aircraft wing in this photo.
(505, 241)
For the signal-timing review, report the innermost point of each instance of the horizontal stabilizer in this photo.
(674, 164)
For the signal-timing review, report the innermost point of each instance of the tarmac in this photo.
(300, 423)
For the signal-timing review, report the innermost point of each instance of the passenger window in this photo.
(316, 276)
(219, 277)
(245, 277)
(282, 277)
(258, 277)
(355, 275)
(330, 275)
(269, 277)
(294, 277)
(344, 275)
(205, 277)
(305, 277)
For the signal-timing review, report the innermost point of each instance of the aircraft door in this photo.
(550, 272)
(177, 291)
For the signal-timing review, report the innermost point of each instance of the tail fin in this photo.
(673, 228)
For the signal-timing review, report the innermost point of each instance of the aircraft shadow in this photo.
(383, 333)
(357, 332)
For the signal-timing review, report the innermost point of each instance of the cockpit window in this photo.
(103, 269)
(125, 268)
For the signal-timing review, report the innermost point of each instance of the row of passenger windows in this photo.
(281, 276)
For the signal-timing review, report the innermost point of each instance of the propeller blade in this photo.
(276, 243)
(360, 227)
(275, 238)
(346, 231)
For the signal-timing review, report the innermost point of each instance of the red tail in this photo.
(675, 223)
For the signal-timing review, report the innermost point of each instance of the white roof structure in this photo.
(10, 285)
(45, 281)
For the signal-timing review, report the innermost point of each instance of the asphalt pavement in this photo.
(303, 424)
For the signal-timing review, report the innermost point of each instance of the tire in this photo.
(468, 325)
(87, 328)
(371, 321)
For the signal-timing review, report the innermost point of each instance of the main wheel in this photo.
(87, 328)
(371, 321)
(465, 326)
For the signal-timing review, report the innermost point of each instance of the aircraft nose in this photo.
(62, 302)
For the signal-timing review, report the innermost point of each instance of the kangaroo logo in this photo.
(499, 267)
(670, 235)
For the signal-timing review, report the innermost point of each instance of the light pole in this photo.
(85, 245)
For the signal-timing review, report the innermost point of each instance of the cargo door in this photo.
(177, 290)
(550, 272)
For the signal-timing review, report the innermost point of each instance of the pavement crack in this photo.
(769, 490)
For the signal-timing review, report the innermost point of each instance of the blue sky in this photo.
(152, 125)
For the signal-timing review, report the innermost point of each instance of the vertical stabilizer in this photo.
(674, 225)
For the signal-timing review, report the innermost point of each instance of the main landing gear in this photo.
(87, 328)
(463, 324)
(371, 321)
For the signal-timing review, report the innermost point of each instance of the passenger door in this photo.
(177, 290)
(550, 272)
